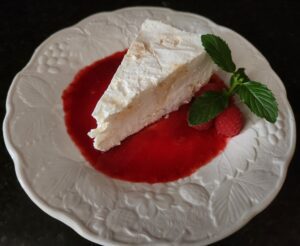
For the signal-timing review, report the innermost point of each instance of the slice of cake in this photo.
(162, 69)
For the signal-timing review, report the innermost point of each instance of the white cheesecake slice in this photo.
(162, 69)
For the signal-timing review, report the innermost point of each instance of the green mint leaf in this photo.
(219, 52)
(207, 107)
(239, 76)
(259, 99)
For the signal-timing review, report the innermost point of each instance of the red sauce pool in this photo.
(164, 151)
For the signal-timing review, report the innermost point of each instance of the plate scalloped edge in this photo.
(250, 181)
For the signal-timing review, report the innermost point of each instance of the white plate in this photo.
(214, 202)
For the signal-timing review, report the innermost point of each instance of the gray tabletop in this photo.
(272, 26)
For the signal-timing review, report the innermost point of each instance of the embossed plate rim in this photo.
(75, 224)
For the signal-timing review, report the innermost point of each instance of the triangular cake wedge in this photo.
(161, 70)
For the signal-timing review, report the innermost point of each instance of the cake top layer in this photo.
(157, 52)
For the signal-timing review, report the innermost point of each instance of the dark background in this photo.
(273, 27)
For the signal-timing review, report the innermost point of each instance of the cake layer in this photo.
(162, 69)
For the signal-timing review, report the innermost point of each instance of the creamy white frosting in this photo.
(162, 69)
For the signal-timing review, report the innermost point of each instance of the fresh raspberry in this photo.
(230, 122)
(203, 126)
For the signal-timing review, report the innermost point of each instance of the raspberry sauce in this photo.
(164, 151)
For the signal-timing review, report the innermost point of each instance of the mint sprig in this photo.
(259, 99)
(239, 76)
(219, 52)
(207, 107)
